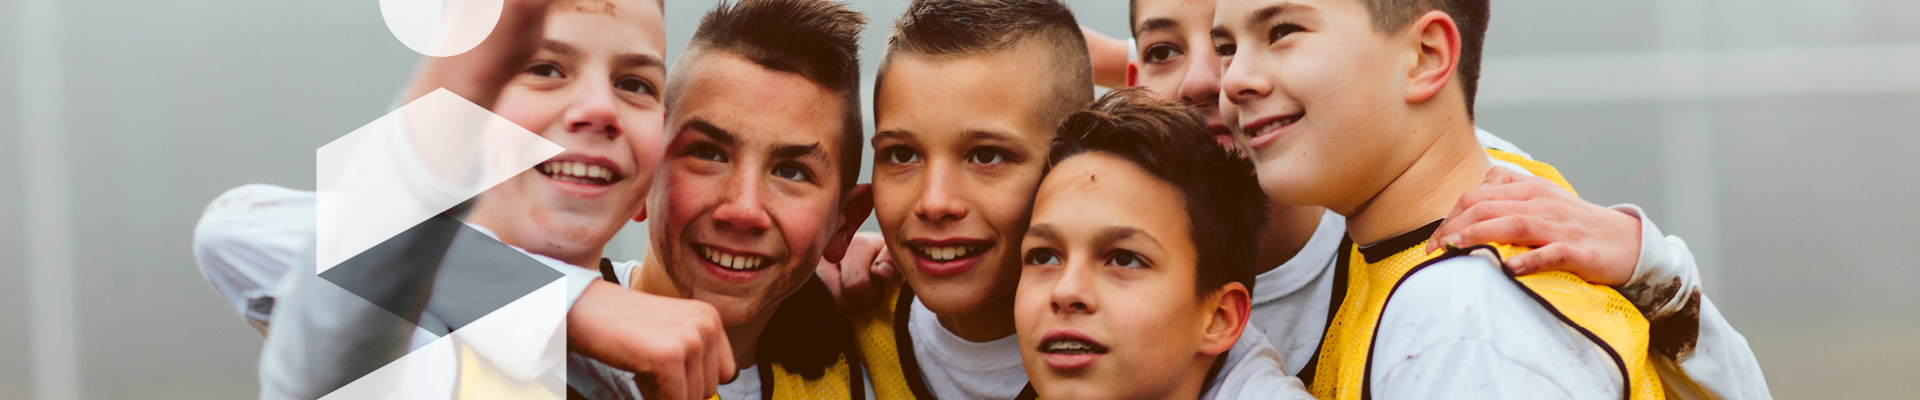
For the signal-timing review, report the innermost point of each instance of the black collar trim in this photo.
(1380, 251)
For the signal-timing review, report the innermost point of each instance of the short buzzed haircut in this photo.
(959, 28)
(1225, 208)
(816, 39)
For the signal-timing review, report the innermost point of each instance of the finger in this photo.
(829, 274)
(669, 381)
(1479, 213)
(722, 350)
(1519, 229)
(696, 371)
(883, 265)
(1552, 257)
(701, 373)
(1499, 175)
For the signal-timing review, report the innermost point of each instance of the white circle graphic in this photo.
(441, 28)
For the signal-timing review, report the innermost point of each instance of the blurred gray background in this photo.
(1774, 135)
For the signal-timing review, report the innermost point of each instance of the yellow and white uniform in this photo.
(1454, 324)
(892, 347)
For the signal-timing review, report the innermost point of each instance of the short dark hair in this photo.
(1224, 203)
(1391, 16)
(972, 27)
(816, 39)
(1470, 16)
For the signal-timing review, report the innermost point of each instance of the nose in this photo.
(742, 211)
(594, 112)
(1201, 85)
(940, 200)
(1073, 293)
(1241, 82)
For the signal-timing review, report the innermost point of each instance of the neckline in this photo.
(1376, 252)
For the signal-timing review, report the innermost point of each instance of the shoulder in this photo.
(1253, 370)
(1463, 297)
(248, 238)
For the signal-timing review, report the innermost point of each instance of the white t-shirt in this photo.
(1291, 300)
(956, 368)
(1253, 371)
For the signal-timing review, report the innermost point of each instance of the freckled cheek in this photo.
(688, 196)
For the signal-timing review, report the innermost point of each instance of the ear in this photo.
(1133, 73)
(1232, 305)
(1438, 43)
(641, 216)
(853, 213)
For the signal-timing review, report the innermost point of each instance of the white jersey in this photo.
(1291, 304)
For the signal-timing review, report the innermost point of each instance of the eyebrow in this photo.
(725, 138)
(712, 132)
(559, 47)
(1266, 13)
(1044, 231)
(890, 134)
(795, 151)
(637, 60)
(982, 135)
(1117, 233)
(1154, 24)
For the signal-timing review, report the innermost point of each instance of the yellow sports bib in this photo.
(1599, 312)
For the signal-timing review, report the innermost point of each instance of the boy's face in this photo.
(1177, 61)
(592, 88)
(959, 147)
(751, 186)
(1318, 94)
(1106, 306)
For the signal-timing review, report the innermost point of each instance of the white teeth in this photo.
(729, 261)
(1068, 346)
(948, 253)
(577, 171)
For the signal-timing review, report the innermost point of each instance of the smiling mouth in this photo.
(1072, 346)
(579, 172)
(1273, 125)
(733, 261)
(948, 253)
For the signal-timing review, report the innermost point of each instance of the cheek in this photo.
(687, 194)
(647, 144)
(533, 111)
(1009, 203)
(892, 200)
(806, 227)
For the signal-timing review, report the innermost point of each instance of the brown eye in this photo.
(545, 69)
(988, 156)
(1042, 257)
(1281, 31)
(1160, 52)
(635, 85)
(1127, 259)
(899, 155)
(793, 172)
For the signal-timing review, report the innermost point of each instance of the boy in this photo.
(1177, 61)
(1404, 151)
(763, 145)
(1139, 262)
(965, 105)
(583, 74)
